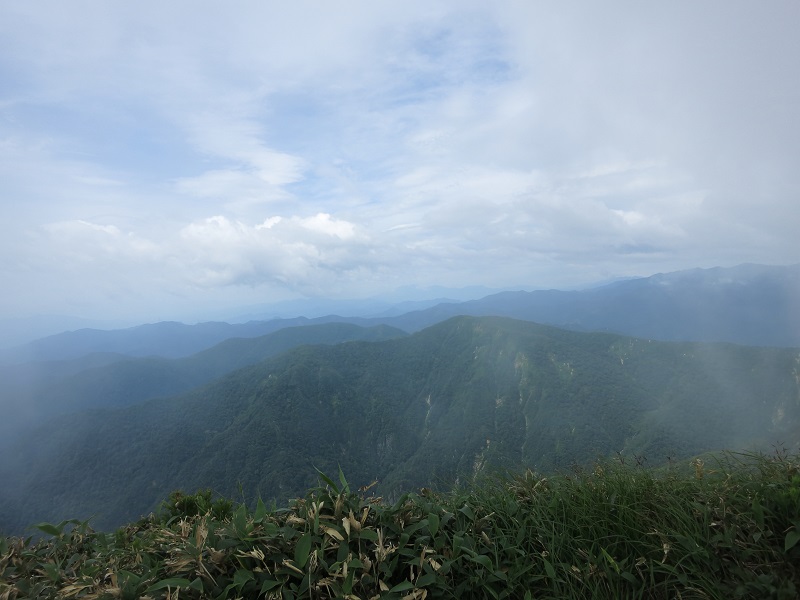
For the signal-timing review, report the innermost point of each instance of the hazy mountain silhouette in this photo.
(748, 304)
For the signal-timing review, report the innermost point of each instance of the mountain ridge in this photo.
(749, 304)
(455, 399)
(36, 390)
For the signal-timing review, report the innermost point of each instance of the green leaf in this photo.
(50, 529)
(241, 577)
(52, 571)
(548, 568)
(355, 564)
(342, 553)
(270, 529)
(269, 584)
(758, 511)
(433, 524)
(426, 580)
(302, 550)
(610, 560)
(261, 511)
(483, 560)
(368, 534)
(791, 539)
(128, 580)
(347, 584)
(402, 587)
(328, 481)
(343, 481)
(458, 541)
(240, 520)
(520, 535)
(629, 576)
(175, 582)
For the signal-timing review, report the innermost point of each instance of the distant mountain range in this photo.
(749, 304)
(441, 405)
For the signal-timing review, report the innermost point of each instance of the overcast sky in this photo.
(160, 159)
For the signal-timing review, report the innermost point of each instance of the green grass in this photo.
(729, 528)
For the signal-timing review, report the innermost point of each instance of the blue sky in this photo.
(167, 160)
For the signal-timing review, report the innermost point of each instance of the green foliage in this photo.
(727, 530)
(181, 506)
(441, 406)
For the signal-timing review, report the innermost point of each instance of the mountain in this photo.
(36, 390)
(21, 330)
(749, 304)
(436, 407)
(322, 307)
(166, 339)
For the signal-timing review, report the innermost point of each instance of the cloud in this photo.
(76, 227)
(84, 246)
(292, 251)
(290, 149)
(323, 223)
(256, 175)
(241, 141)
(237, 188)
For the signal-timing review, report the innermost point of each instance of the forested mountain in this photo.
(427, 409)
(34, 391)
(749, 304)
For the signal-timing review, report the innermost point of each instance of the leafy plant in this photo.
(610, 531)
(181, 505)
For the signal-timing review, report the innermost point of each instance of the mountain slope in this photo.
(165, 339)
(445, 403)
(34, 391)
(749, 304)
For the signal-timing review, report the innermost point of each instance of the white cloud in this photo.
(76, 227)
(344, 149)
(236, 188)
(323, 223)
(241, 141)
(82, 245)
(269, 223)
(291, 251)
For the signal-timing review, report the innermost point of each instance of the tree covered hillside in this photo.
(424, 410)
(39, 389)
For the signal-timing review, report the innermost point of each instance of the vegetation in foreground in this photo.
(730, 529)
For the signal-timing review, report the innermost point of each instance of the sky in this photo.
(162, 160)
